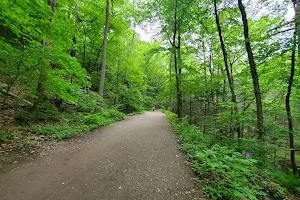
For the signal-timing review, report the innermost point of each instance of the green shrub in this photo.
(171, 116)
(75, 118)
(46, 111)
(113, 114)
(24, 117)
(103, 118)
(289, 181)
(223, 172)
(78, 123)
(42, 112)
(59, 131)
(5, 136)
(227, 173)
(96, 120)
(89, 102)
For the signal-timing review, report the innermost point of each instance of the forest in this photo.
(225, 72)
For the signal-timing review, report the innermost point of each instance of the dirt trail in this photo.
(137, 158)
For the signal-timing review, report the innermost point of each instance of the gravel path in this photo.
(137, 158)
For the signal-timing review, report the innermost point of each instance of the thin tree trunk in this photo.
(288, 95)
(179, 94)
(103, 66)
(218, 93)
(211, 71)
(97, 58)
(170, 79)
(205, 114)
(92, 49)
(206, 101)
(213, 92)
(257, 94)
(190, 113)
(84, 47)
(117, 84)
(10, 85)
(73, 50)
(224, 88)
(229, 75)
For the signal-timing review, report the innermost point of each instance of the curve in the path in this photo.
(138, 158)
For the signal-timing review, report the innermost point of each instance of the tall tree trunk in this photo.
(177, 84)
(179, 92)
(177, 58)
(288, 95)
(229, 75)
(52, 5)
(104, 47)
(257, 94)
(43, 73)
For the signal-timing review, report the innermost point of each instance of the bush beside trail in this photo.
(224, 172)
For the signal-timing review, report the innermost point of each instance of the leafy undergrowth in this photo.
(224, 172)
(5, 136)
(289, 181)
(25, 131)
(78, 124)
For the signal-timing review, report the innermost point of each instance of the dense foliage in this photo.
(50, 59)
(56, 55)
(229, 66)
(233, 73)
(224, 171)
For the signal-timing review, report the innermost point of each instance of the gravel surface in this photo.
(138, 158)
